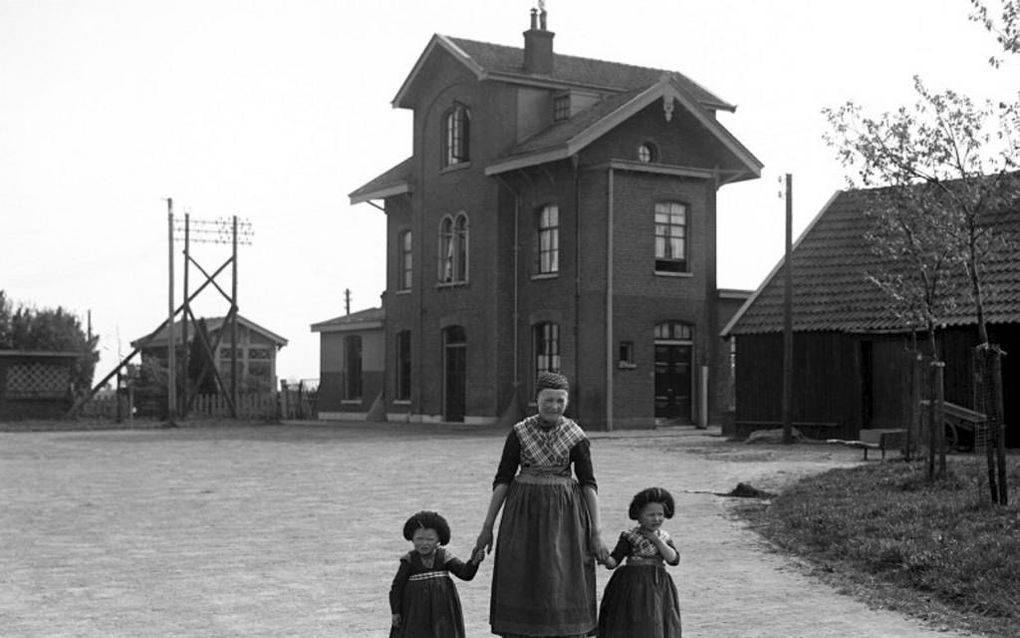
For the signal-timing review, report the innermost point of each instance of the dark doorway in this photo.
(454, 373)
(673, 381)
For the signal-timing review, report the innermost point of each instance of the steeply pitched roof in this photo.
(213, 324)
(508, 62)
(623, 85)
(832, 292)
(395, 181)
(361, 320)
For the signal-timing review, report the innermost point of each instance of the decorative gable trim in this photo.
(669, 91)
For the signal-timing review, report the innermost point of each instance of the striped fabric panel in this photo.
(430, 575)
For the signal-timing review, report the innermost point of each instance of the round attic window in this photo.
(647, 152)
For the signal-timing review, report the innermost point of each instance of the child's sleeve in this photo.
(397, 588)
(669, 541)
(622, 549)
(460, 569)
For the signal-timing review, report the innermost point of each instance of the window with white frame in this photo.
(548, 253)
(456, 134)
(453, 249)
(405, 267)
(670, 237)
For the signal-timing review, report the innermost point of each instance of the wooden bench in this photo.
(877, 439)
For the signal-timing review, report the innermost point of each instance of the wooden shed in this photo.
(852, 355)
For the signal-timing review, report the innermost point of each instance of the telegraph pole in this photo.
(171, 345)
(788, 318)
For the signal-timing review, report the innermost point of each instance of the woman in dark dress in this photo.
(543, 579)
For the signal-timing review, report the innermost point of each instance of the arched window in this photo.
(670, 237)
(456, 135)
(460, 240)
(453, 249)
(648, 152)
(405, 267)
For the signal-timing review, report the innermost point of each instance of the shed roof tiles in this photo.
(832, 261)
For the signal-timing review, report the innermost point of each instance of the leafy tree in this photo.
(950, 164)
(26, 328)
(1003, 23)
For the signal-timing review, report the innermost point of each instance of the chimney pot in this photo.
(538, 46)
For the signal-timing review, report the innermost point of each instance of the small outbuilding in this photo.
(852, 354)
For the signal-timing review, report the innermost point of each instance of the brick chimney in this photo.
(538, 45)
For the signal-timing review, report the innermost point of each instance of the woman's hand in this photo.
(396, 620)
(484, 541)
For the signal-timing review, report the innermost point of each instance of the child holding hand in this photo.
(423, 597)
(641, 599)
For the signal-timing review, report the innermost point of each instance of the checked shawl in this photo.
(541, 448)
(643, 547)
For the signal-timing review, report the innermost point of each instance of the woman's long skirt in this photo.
(640, 601)
(543, 578)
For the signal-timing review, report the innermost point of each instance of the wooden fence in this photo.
(265, 406)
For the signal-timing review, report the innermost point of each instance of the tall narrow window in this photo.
(670, 237)
(446, 250)
(453, 249)
(456, 133)
(460, 240)
(403, 380)
(549, 240)
(352, 367)
(405, 268)
(547, 347)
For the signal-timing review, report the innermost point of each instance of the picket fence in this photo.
(263, 406)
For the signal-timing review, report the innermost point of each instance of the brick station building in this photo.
(558, 213)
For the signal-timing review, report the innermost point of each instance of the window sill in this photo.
(545, 275)
(451, 284)
(623, 365)
(452, 168)
(402, 291)
(668, 273)
(351, 402)
(401, 402)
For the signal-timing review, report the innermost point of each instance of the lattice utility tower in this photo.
(227, 230)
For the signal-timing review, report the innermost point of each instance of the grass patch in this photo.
(882, 531)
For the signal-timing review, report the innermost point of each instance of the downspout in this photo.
(609, 302)
(516, 294)
(574, 161)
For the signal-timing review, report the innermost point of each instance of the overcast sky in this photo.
(275, 110)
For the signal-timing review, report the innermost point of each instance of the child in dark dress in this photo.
(641, 599)
(423, 598)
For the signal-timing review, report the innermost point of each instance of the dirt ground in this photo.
(295, 529)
